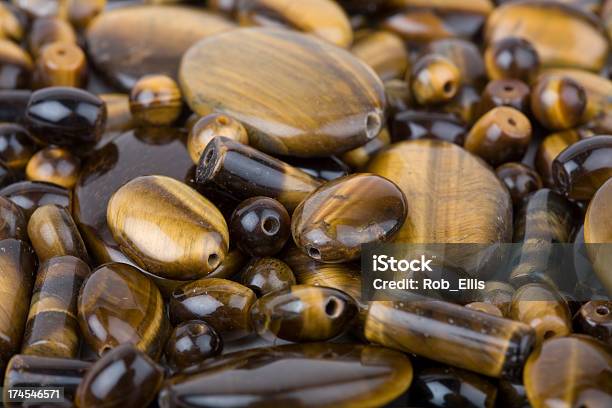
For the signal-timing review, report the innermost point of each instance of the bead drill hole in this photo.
(448, 87)
(270, 225)
(314, 253)
(213, 261)
(333, 307)
(508, 88)
(223, 121)
(512, 122)
(373, 125)
(548, 334)
(602, 310)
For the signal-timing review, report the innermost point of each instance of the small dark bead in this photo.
(411, 125)
(512, 57)
(260, 226)
(191, 343)
(595, 319)
(66, 117)
(519, 179)
(16, 146)
(265, 275)
(505, 92)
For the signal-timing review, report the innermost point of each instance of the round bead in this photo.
(191, 343)
(512, 57)
(434, 79)
(265, 275)
(558, 102)
(519, 179)
(54, 165)
(210, 126)
(156, 100)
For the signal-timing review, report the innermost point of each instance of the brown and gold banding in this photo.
(384, 52)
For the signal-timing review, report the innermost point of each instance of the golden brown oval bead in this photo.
(156, 100)
(16, 146)
(333, 222)
(283, 120)
(512, 57)
(12, 221)
(501, 135)
(303, 313)
(16, 66)
(519, 179)
(569, 371)
(118, 304)
(557, 102)
(210, 126)
(222, 303)
(54, 165)
(53, 232)
(384, 52)
(61, 64)
(595, 319)
(598, 230)
(548, 151)
(321, 18)
(265, 275)
(52, 329)
(29, 195)
(168, 228)
(49, 30)
(234, 261)
(434, 79)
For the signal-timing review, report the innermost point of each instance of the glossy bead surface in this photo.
(54, 165)
(333, 222)
(472, 340)
(210, 126)
(322, 168)
(512, 57)
(548, 151)
(595, 319)
(582, 367)
(16, 146)
(464, 105)
(485, 308)
(260, 226)
(283, 120)
(61, 64)
(265, 275)
(53, 232)
(343, 375)
(558, 102)
(398, 96)
(12, 221)
(434, 80)
(581, 169)
(15, 66)
(384, 52)
(245, 172)
(80, 124)
(49, 30)
(29, 195)
(117, 304)
(13, 104)
(189, 237)
(118, 114)
(123, 377)
(411, 125)
(501, 135)
(43, 8)
(519, 179)
(598, 230)
(222, 303)
(465, 55)
(505, 92)
(155, 100)
(191, 343)
(52, 329)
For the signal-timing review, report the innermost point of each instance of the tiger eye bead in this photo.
(11, 25)
(384, 52)
(49, 30)
(260, 226)
(210, 126)
(52, 329)
(501, 135)
(12, 221)
(595, 319)
(488, 308)
(498, 294)
(29, 195)
(123, 377)
(54, 165)
(398, 96)
(156, 100)
(119, 117)
(303, 313)
(558, 102)
(548, 151)
(358, 158)
(16, 66)
(61, 64)
(512, 57)
(82, 12)
(265, 275)
(118, 304)
(80, 125)
(16, 146)
(191, 343)
(519, 179)
(53, 232)
(598, 230)
(333, 222)
(505, 92)
(221, 303)
(434, 80)
(321, 168)
(465, 55)
(581, 169)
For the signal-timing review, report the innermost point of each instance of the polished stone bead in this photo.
(434, 79)
(595, 319)
(30, 195)
(558, 102)
(512, 57)
(156, 100)
(265, 275)
(412, 125)
(506, 92)
(385, 52)
(210, 126)
(465, 55)
(54, 165)
(49, 30)
(191, 343)
(520, 180)
(498, 294)
(12, 221)
(598, 230)
(322, 168)
(61, 64)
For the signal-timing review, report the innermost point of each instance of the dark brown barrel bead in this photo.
(558, 102)
(16, 146)
(265, 275)
(505, 92)
(55, 165)
(29, 195)
(512, 57)
(191, 343)
(595, 319)
(520, 180)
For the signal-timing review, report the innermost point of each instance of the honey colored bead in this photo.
(168, 228)
(54, 165)
(321, 18)
(61, 64)
(543, 309)
(245, 172)
(118, 304)
(333, 222)
(210, 126)
(512, 58)
(476, 341)
(156, 100)
(16, 66)
(434, 80)
(569, 372)
(303, 313)
(384, 52)
(11, 26)
(360, 157)
(488, 308)
(598, 230)
(498, 294)
(466, 57)
(17, 269)
(52, 329)
(49, 30)
(82, 12)
(595, 319)
(123, 377)
(412, 125)
(221, 303)
(265, 275)
(284, 120)
(519, 179)
(548, 151)
(505, 92)
(557, 102)
(12, 221)
(53, 233)
(581, 169)
(16, 146)
(119, 117)
(29, 195)
(191, 343)
(501, 135)
(344, 375)
(260, 226)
